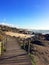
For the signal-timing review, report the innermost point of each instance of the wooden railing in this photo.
(25, 43)
(3, 46)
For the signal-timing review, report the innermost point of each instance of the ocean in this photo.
(41, 31)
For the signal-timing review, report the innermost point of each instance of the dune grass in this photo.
(32, 59)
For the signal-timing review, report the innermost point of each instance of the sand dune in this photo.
(18, 34)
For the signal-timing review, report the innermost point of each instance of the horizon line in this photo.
(15, 26)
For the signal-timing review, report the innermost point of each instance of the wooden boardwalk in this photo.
(14, 54)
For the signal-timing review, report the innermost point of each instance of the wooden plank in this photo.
(14, 55)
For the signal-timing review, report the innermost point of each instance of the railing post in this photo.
(24, 44)
(5, 44)
(1, 48)
(28, 46)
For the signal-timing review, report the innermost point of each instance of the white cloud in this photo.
(11, 25)
(27, 27)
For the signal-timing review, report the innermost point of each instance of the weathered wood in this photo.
(14, 54)
(1, 48)
(24, 44)
(28, 46)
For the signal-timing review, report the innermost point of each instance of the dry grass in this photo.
(18, 34)
(1, 37)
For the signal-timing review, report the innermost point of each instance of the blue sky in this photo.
(31, 14)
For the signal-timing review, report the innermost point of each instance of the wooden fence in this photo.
(3, 46)
(26, 43)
